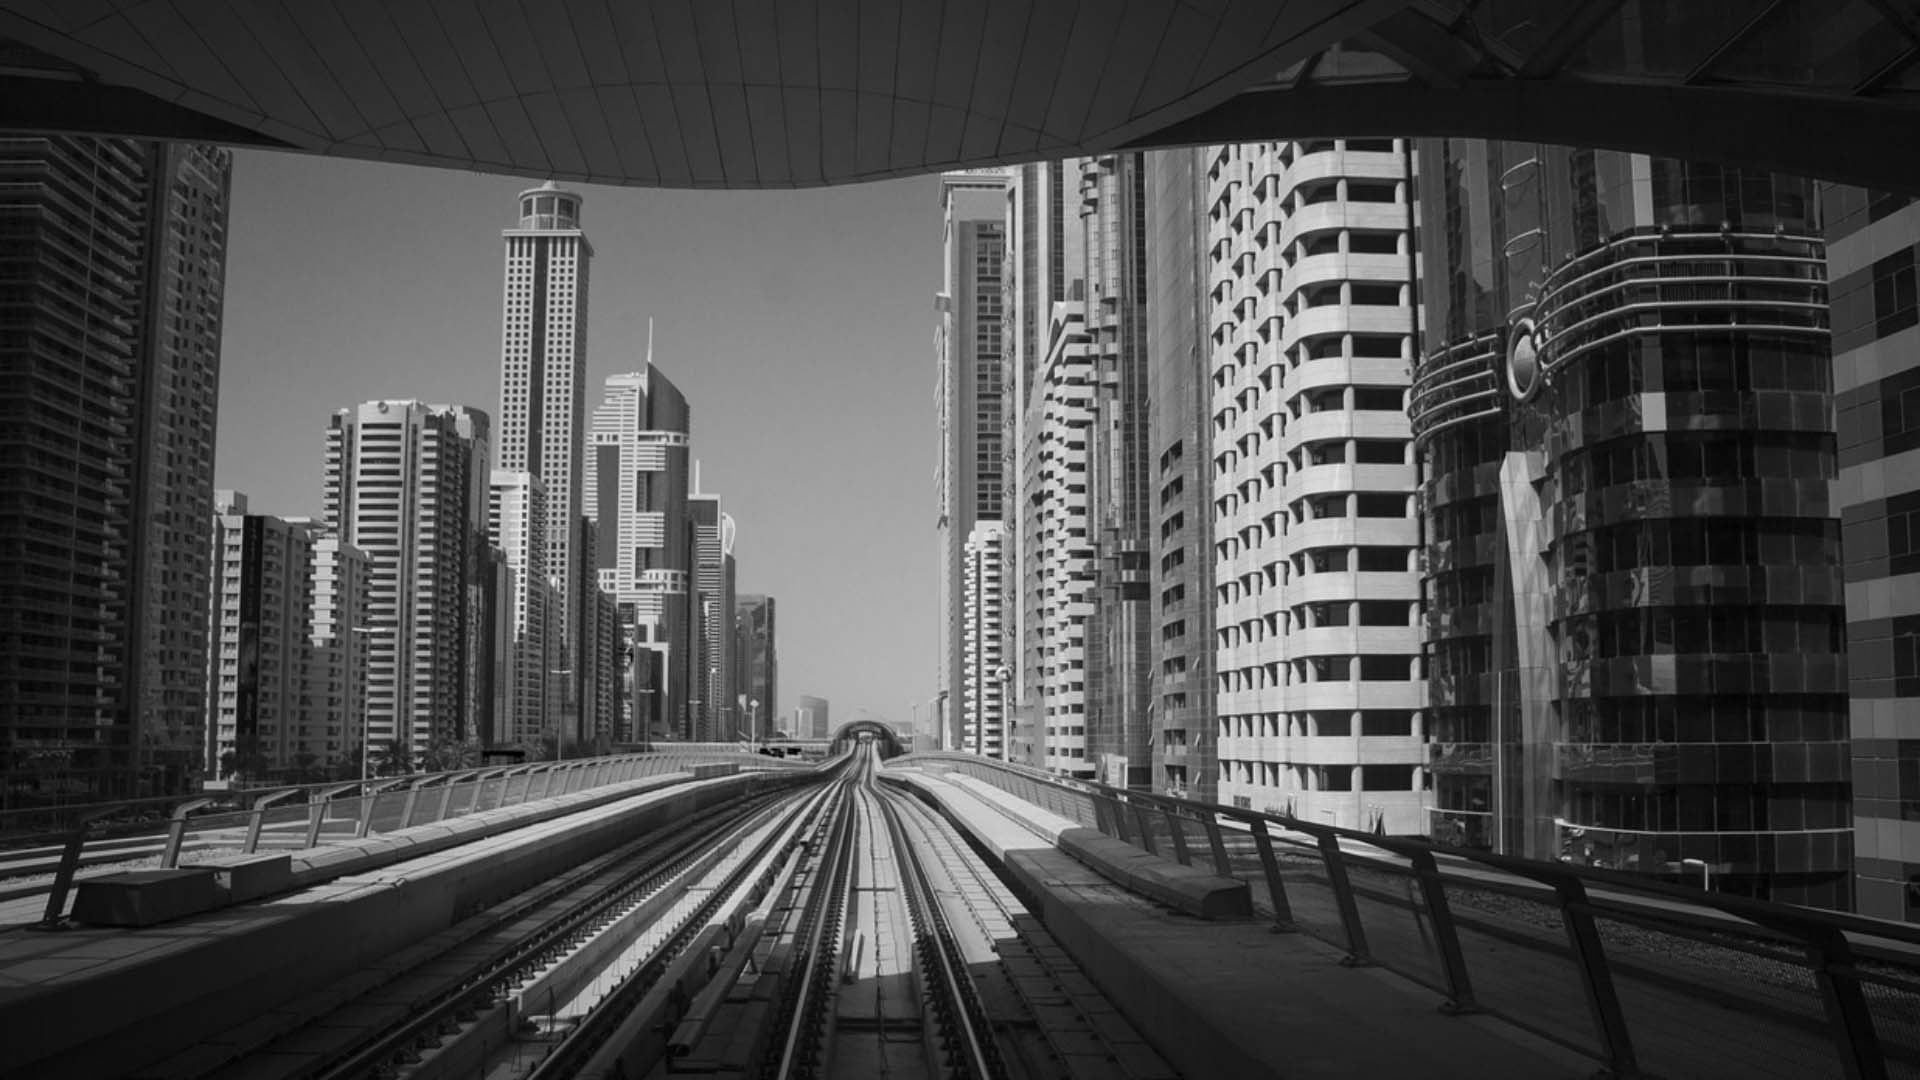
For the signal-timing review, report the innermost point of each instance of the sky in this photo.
(798, 323)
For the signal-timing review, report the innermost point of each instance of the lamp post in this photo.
(560, 731)
(366, 704)
(753, 716)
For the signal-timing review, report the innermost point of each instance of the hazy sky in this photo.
(799, 325)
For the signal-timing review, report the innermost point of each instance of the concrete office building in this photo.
(1058, 554)
(1179, 426)
(408, 484)
(517, 525)
(1316, 584)
(1871, 241)
(758, 652)
(969, 477)
(1625, 406)
(543, 373)
(111, 282)
(638, 475)
(988, 679)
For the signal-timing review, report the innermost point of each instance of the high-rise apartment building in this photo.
(1046, 266)
(1179, 449)
(598, 658)
(177, 391)
(517, 525)
(262, 625)
(969, 479)
(408, 484)
(543, 372)
(1316, 584)
(984, 696)
(1637, 639)
(1058, 554)
(111, 284)
(759, 659)
(1872, 238)
(287, 682)
(638, 475)
(342, 599)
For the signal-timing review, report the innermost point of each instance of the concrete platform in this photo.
(1182, 888)
(1231, 998)
(145, 897)
(98, 1001)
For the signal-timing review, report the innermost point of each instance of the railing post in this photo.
(1276, 888)
(1357, 953)
(1222, 865)
(1596, 979)
(259, 816)
(70, 865)
(177, 831)
(1848, 1015)
(1100, 824)
(1180, 852)
(446, 800)
(1122, 828)
(317, 812)
(1141, 820)
(406, 808)
(1454, 962)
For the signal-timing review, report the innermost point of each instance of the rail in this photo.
(43, 850)
(1550, 942)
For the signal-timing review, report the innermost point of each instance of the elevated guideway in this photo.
(944, 915)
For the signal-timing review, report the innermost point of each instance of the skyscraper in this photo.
(712, 617)
(517, 525)
(1316, 583)
(1871, 238)
(543, 372)
(1058, 554)
(1637, 642)
(342, 642)
(759, 659)
(1180, 450)
(111, 283)
(638, 475)
(408, 484)
(983, 698)
(262, 626)
(970, 482)
(811, 719)
(1113, 220)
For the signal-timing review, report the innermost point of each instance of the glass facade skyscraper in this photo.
(1636, 635)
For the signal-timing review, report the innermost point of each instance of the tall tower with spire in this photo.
(543, 369)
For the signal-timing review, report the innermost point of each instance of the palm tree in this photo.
(392, 758)
(444, 754)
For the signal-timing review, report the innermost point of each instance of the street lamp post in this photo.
(560, 731)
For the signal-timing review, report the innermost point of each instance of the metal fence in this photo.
(44, 850)
(1647, 977)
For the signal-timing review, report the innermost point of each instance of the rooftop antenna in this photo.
(649, 341)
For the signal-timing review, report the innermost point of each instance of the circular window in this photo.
(1523, 361)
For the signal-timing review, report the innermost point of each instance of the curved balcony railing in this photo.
(1598, 960)
(1651, 281)
(1455, 385)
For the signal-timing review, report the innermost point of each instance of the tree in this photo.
(246, 760)
(444, 754)
(392, 758)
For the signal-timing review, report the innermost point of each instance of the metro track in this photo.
(840, 930)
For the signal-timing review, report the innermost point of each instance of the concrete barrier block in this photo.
(241, 878)
(145, 897)
(1183, 888)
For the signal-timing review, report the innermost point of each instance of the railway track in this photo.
(844, 930)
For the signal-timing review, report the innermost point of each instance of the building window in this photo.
(1893, 293)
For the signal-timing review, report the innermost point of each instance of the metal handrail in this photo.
(1829, 941)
